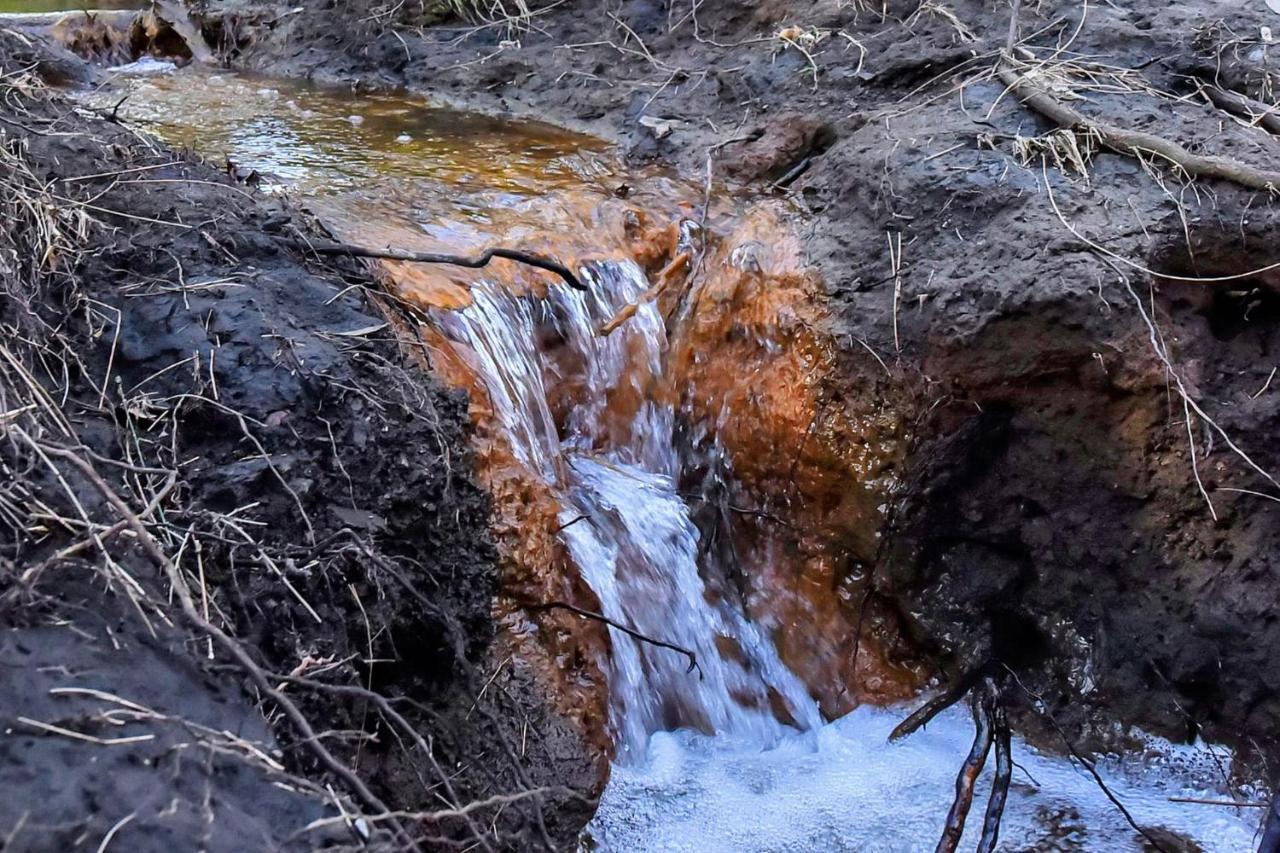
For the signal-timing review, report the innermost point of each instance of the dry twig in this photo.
(475, 262)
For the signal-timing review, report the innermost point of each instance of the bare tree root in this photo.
(1004, 773)
(476, 262)
(1254, 113)
(1134, 142)
(981, 703)
(935, 706)
(626, 629)
(229, 644)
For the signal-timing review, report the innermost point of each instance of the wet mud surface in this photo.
(1046, 512)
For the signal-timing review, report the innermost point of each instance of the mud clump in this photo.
(312, 485)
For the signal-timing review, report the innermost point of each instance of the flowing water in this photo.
(635, 544)
(726, 751)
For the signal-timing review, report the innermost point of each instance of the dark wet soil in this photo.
(1050, 516)
(322, 508)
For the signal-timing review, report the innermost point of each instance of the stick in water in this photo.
(626, 629)
(476, 262)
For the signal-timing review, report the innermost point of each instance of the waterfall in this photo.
(615, 465)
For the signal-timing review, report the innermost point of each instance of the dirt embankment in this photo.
(1068, 503)
(302, 478)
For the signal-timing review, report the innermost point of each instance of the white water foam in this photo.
(145, 66)
(848, 789)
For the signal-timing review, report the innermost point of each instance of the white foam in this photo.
(145, 66)
(848, 789)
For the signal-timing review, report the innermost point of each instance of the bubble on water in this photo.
(404, 138)
(356, 120)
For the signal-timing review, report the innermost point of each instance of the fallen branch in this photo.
(476, 262)
(968, 775)
(1135, 142)
(626, 629)
(664, 277)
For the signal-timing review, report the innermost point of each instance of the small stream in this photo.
(707, 761)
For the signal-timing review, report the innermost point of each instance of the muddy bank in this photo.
(309, 484)
(1046, 510)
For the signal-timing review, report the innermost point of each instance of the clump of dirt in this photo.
(1051, 502)
(312, 488)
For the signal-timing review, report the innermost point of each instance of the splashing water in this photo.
(849, 789)
(627, 529)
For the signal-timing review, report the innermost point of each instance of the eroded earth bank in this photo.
(944, 391)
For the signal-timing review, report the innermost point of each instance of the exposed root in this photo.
(1000, 785)
(1136, 143)
(1254, 113)
(991, 727)
(935, 706)
(981, 703)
